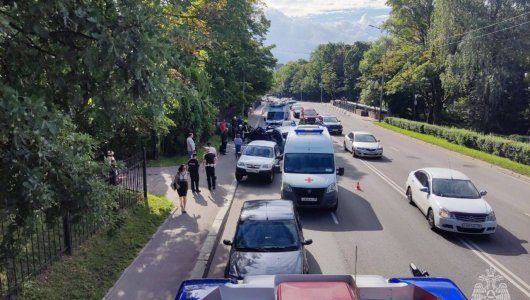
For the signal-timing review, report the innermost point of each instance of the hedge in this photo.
(510, 149)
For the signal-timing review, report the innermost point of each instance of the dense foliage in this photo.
(499, 146)
(79, 77)
(466, 63)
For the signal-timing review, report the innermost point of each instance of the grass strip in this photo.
(97, 264)
(489, 158)
(168, 161)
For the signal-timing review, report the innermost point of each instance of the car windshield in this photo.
(312, 163)
(454, 188)
(331, 119)
(277, 235)
(310, 112)
(275, 115)
(260, 151)
(365, 138)
(289, 123)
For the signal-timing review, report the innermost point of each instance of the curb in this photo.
(204, 260)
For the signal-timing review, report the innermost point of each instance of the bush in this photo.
(513, 148)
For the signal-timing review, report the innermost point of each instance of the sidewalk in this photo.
(174, 252)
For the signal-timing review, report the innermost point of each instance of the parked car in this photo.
(279, 135)
(331, 123)
(364, 144)
(268, 240)
(297, 109)
(308, 116)
(259, 158)
(450, 201)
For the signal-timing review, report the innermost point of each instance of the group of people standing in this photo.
(191, 171)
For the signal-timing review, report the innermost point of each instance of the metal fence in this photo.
(358, 108)
(44, 240)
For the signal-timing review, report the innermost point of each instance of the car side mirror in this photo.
(307, 242)
(425, 190)
(483, 193)
(340, 171)
(227, 242)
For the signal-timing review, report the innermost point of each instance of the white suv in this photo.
(259, 158)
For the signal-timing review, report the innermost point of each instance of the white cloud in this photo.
(308, 7)
(297, 37)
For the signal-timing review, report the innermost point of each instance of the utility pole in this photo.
(382, 74)
(321, 86)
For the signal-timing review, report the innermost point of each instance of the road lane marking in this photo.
(395, 149)
(528, 214)
(479, 252)
(335, 218)
(505, 272)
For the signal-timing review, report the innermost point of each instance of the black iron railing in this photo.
(42, 241)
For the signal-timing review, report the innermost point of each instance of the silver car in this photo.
(363, 144)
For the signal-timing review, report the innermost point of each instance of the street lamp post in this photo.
(382, 74)
(321, 86)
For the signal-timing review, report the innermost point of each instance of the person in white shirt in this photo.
(210, 149)
(191, 145)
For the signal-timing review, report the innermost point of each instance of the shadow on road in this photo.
(314, 267)
(502, 242)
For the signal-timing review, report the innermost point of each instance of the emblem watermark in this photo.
(491, 287)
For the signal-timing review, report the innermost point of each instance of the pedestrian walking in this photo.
(238, 142)
(190, 145)
(210, 159)
(181, 180)
(210, 148)
(224, 141)
(246, 130)
(222, 126)
(193, 169)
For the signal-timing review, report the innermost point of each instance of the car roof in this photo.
(262, 210)
(284, 129)
(262, 143)
(445, 173)
(362, 132)
(309, 143)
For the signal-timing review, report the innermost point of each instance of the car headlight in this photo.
(380, 148)
(241, 164)
(266, 166)
(332, 188)
(491, 216)
(444, 214)
(286, 187)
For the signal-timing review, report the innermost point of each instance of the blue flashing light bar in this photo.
(312, 130)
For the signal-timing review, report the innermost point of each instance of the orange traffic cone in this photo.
(358, 186)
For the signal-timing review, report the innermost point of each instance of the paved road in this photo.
(390, 233)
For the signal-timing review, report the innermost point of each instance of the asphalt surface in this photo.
(388, 232)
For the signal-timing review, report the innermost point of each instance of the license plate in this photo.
(252, 170)
(307, 199)
(471, 225)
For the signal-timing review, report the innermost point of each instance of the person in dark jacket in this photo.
(193, 169)
(210, 159)
(224, 141)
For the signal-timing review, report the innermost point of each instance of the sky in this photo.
(299, 26)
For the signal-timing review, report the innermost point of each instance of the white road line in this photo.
(528, 214)
(507, 274)
(395, 149)
(335, 218)
(504, 271)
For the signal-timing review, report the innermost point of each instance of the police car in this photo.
(309, 172)
(259, 158)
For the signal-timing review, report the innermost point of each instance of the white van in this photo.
(276, 114)
(309, 171)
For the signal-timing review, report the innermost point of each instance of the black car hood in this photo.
(265, 263)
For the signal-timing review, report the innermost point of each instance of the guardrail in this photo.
(360, 109)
